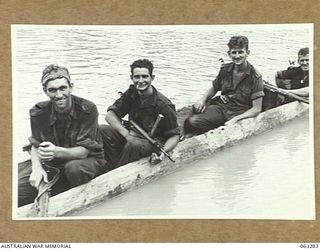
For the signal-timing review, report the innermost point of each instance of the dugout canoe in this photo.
(120, 180)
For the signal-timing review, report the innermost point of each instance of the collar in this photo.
(72, 113)
(152, 100)
(247, 71)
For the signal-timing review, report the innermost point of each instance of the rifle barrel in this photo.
(152, 141)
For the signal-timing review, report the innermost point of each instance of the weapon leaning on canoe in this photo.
(124, 178)
(153, 142)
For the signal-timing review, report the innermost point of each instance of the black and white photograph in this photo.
(163, 122)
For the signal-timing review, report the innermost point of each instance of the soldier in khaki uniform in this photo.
(241, 89)
(64, 134)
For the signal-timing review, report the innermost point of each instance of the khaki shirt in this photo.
(145, 114)
(80, 128)
(241, 95)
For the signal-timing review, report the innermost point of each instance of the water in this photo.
(256, 182)
(265, 177)
(186, 60)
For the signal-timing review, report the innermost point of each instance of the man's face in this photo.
(238, 55)
(142, 79)
(304, 62)
(59, 92)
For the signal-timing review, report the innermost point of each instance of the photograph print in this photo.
(163, 122)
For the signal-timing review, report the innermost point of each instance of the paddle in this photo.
(283, 92)
(41, 202)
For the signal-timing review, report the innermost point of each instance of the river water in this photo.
(186, 60)
(265, 177)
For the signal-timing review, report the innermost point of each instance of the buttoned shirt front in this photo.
(80, 127)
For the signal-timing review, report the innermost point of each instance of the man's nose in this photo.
(140, 79)
(59, 93)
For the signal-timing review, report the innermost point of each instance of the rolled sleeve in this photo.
(121, 106)
(216, 83)
(171, 127)
(35, 138)
(88, 136)
(257, 90)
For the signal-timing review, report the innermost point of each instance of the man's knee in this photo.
(191, 124)
(72, 168)
(134, 144)
(105, 130)
(78, 172)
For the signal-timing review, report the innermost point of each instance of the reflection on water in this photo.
(186, 59)
(266, 177)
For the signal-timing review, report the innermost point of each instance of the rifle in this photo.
(153, 142)
(283, 92)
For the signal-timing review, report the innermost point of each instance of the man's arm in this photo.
(171, 143)
(115, 122)
(302, 92)
(38, 172)
(48, 151)
(252, 112)
(201, 105)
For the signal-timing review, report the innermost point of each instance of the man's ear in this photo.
(152, 77)
(131, 77)
(248, 52)
(71, 86)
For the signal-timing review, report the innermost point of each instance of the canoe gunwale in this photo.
(122, 179)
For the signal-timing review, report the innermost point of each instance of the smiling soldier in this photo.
(64, 135)
(296, 79)
(143, 103)
(241, 89)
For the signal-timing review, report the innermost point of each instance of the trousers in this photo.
(118, 151)
(211, 118)
(73, 173)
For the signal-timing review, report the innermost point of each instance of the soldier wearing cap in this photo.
(64, 134)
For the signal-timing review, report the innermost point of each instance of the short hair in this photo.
(236, 42)
(142, 63)
(52, 72)
(303, 52)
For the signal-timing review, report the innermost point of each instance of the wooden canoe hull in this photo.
(138, 173)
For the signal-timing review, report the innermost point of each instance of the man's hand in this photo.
(155, 159)
(224, 99)
(36, 176)
(200, 106)
(47, 151)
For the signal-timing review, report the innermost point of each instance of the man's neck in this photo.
(241, 68)
(145, 94)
